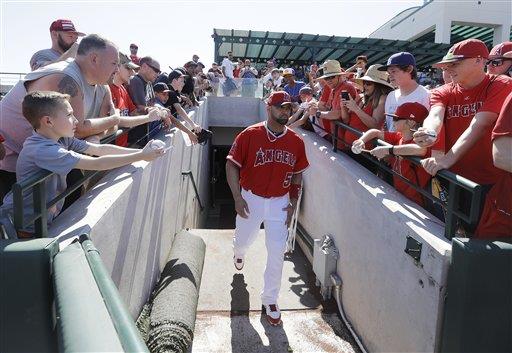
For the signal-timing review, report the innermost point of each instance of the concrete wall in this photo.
(234, 111)
(393, 303)
(442, 14)
(133, 213)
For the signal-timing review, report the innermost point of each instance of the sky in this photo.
(171, 31)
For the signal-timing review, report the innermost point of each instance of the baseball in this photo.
(156, 144)
(357, 149)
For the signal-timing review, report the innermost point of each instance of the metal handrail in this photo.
(189, 173)
(456, 184)
(124, 325)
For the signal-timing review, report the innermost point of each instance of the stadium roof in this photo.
(301, 48)
(461, 32)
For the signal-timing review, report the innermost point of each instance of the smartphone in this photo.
(345, 96)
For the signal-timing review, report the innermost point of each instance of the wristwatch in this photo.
(318, 114)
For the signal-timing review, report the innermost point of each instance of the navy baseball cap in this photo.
(175, 74)
(399, 59)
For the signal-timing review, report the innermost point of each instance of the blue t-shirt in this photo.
(39, 153)
(294, 91)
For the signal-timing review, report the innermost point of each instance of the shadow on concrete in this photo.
(244, 337)
(304, 283)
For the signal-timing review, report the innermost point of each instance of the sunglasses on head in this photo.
(496, 62)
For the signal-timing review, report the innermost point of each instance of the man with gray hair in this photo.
(84, 79)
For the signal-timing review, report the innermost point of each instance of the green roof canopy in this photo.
(301, 48)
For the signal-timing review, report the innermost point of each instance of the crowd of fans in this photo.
(462, 125)
(76, 94)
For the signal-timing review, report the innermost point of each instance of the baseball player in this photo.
(264, 172)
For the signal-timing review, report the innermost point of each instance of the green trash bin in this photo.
(26, 295)
(478, 306)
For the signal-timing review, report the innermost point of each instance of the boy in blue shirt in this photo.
(53, 147)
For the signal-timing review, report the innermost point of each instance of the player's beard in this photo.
(62, 44)
(281, 121)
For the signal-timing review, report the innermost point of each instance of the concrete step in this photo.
(229, 307)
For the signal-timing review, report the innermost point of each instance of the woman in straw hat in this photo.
(369, 113)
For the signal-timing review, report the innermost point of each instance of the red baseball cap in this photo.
(279, 99)
(65, 26)
(411, 111)
(469, 48)
(501, 51)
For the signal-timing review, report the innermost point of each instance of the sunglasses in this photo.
(367, 83)
(330, 78)
(496, 62)
(396, 118)
(154, 69)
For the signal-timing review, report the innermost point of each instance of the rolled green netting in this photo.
(172, 310)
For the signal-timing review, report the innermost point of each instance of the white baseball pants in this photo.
(270, 211)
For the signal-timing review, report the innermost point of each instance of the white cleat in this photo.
(238, 262)
(272, 314)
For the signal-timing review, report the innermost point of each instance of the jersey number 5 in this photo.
(287, 180)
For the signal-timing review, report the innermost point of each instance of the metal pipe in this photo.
(336, 281)
(125, 327)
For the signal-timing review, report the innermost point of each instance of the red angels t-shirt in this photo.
(414, 173)
(267, 163)
(496, 219)
(461, 106)
(124, 103)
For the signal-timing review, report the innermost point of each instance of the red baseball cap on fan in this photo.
(411, 111)
(279, 99)
(501, 51)
(469, 48)
(65, 26)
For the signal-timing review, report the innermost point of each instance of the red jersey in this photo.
(503, 125)
(324, 98)
(496, 219)
(461, 106)
(124, 103)
(1, 138)
(267, 163)
(414, 173)
(358, 124)
(332, 99)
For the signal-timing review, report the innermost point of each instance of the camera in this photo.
(345, 96)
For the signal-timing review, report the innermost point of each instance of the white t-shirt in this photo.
(228, 67)
(395, 99)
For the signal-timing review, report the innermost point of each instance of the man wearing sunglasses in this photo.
(467, 108)
(500, 59)
(141, 92)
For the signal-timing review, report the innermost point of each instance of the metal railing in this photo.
(456, 185)
(189, 173)
(124, 325)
